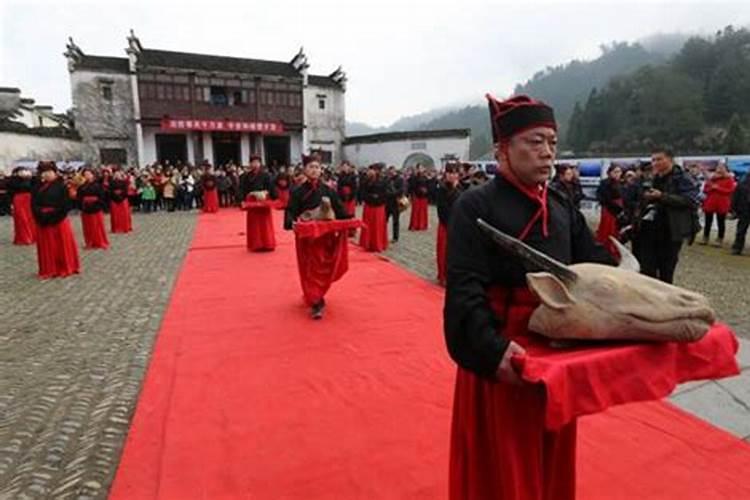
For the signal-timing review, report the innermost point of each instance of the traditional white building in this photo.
(158, 105)
(431, 148)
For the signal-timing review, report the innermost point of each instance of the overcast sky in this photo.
(402, 57)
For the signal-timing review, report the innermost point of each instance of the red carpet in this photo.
(246, 397)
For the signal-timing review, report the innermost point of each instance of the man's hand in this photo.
(505, 371)
(652, 194)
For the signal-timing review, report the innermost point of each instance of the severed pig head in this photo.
(598, 302)
(322, 212)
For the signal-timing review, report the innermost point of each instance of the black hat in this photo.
(43, 166)
(517, 114)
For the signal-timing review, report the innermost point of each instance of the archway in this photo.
(414, 158)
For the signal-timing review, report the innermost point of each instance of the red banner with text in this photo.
(222, 125)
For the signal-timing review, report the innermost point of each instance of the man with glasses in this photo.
(499, 446)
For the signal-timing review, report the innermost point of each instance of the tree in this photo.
(736, 140)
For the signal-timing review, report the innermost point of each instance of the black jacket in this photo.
(446, 197)
(741, 198)
(374, 191)
(91, 189)
(118, 190)
(260, 181)
(306, 197)
(676, 210)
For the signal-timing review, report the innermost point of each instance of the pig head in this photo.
(324, 211)
(598, 302)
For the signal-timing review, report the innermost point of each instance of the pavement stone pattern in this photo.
(73, 353)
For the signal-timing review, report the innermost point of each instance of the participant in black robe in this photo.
(419, 191)
(499, 446)
(20, 187)
(119, 208)
(255, 179)
(91, 199)
(396, 189)
(374, 234)
(346, 187)
(321, 254)
(447, 195)
(57, 251)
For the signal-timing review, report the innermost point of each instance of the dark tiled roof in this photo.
(407, 136)
(202, 62)
(116, 64)
(321, 81)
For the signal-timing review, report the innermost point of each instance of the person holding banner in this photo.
(321, 231)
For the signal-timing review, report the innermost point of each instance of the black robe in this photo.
(446, 197)
(374, 191)
(118, 190)
(93, 188)
(350, 181)
(419, 186)
(50, 203)
(475, 263)
(259, 181)
(306, 197)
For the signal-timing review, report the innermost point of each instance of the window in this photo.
(321, 104)
(168, 92)
(238, 100)
(419, 145)
(160, 91)
(107, 92)
(219, 96)
(116, 156)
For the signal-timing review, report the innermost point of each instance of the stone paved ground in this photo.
(73, 354)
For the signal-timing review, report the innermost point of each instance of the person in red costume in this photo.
(419, 190)
(20, 187)
(447, 195)
(282, 181)
(374, 189)
(321, 259)
(210, 192)
(609, 195)
(91, 197)
(719, 190)
(346, 186)
(500, 448)
(119, 207)
(57, 250)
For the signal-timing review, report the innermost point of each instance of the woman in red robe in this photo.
(322, 246)
(91, 197)
(282, 182)
(419, 190)
(609, 195)
(119, 207)
(374, 234)
(346, 186)
(719, 189)
(57, 251)
(447, 195)
(210, 192)
(20, 187)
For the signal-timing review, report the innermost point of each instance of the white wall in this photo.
(325, 127)
(396, 152)
(22, 146)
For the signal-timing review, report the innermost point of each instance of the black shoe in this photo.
(317, 310)
(736, 251)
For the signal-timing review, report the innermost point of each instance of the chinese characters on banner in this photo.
(222, 125)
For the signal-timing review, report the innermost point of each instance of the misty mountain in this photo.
(560, 86)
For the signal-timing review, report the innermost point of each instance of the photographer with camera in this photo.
(667, 216)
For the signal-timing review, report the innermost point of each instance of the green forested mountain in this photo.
(561, 87)
(697, 102)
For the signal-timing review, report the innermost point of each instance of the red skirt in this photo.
(321, 261)
(442, 246)
(418, 221)
(94, 234)
(350, 207)
(24, 226)
(120, 218)
(259, 229)
(210, 201)
(607, 227)
(500, 448)
(57, 251)
(283, 198)
(374, 235)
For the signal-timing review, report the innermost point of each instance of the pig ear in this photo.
(550, 290)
